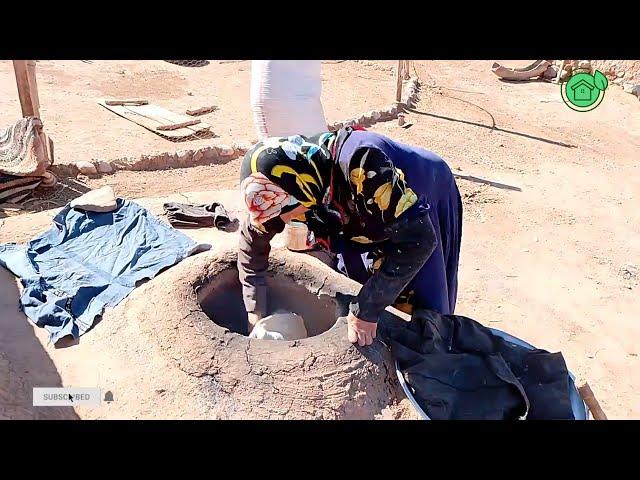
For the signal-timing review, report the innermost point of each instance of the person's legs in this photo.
(436, 284)
(452, 253)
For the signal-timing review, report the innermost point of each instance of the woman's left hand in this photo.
(360, 331)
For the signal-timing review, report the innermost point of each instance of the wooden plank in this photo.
(201, 111)
(126, 102)
(151, 117)
(167, 117)
(176, 126)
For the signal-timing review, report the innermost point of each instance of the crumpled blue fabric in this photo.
(89, 261)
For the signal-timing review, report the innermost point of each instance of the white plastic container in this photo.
(285, 98)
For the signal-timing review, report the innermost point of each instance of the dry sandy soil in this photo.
(551, 242)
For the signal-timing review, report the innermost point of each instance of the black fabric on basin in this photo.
(459, 370)
(183, 215)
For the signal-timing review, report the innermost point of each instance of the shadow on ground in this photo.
(24, 362)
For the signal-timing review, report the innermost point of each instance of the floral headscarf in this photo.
(281, 173)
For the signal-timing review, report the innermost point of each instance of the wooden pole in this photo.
(562, 65)
(407, 69)
(25, 71)
(590, 399)
(399, 82)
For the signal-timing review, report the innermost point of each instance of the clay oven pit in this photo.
(199, 323)
(221, 299)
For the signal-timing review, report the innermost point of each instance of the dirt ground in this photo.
(551, 236)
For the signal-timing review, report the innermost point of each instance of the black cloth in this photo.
(460, 370)
(183, 215)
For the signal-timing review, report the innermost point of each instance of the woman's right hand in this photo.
(360, 331)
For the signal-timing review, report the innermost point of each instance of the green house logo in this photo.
(584, 92)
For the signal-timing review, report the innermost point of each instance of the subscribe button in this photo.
(61, 397)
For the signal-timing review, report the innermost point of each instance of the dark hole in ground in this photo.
(222, 301)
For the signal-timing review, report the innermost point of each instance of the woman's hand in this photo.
(360, 331)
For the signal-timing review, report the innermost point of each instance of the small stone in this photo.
(550, 73)
(139, 164)
(190, 94)
(375, 115)
(225, 151)
(210, 154)
(161, 162)
(104, 167)
(620, 74)
(618, 81)
(100, 200)
(632, 89)
(525, 250)
(584, 64)
(185, 157)
(160, 391)
(535, 239)
(242, 147)
(86, 168)
(629, 272)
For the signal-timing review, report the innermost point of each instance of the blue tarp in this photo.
(88, 261)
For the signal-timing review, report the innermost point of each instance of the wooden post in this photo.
(399, 82)
(590, 399)
(25, 71)
(407, 69)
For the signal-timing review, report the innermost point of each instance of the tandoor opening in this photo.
(222, 301)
